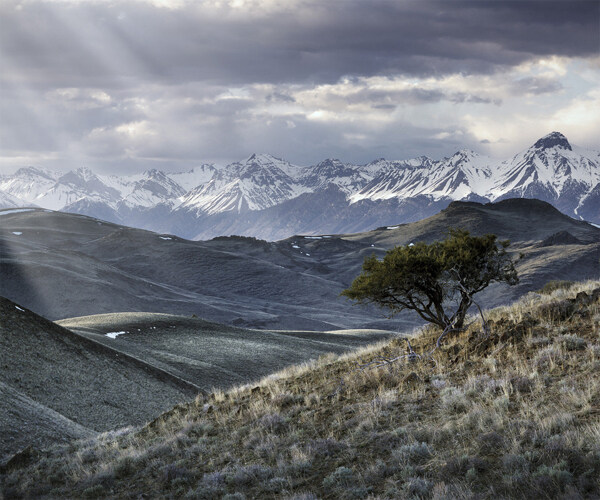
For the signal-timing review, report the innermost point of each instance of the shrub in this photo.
(277, 484)
(124, 467)
(417, 453)
(515, 464)
(171, 472)
(342, 477)
(273, 422)
(572, 342)
(418, 487)
(453, 400)
(554, 285)
(97, 491)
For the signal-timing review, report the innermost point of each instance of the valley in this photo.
(65, 265)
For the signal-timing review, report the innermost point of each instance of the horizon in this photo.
(139, 85)
(247, 158)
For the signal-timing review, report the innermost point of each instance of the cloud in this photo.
(125, 85)
(98, 44)
(536, 85)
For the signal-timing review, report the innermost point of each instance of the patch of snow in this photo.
(165, 238)
(308, 254)
(595, 225)
(392, 227)
(16, 210)
(113, 335)
(313, 237)
(195, 177)
(411, 244)
(17, 307)
(18, 233)
(295, 246)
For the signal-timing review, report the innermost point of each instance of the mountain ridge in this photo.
(239, 198)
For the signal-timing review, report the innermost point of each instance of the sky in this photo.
(124, 86)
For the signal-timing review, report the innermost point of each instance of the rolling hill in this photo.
(109, 371)
(65, 265)
(58, 384)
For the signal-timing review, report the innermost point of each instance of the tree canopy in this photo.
(437, 280)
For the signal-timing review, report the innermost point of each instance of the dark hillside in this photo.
(64, 265)
(86, 382)
(211, 355)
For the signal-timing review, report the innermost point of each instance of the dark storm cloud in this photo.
(118, 44)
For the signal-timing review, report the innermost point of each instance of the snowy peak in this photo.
(257, 161)
(9, 201)
(85, 182)
(194, 177)
(552, 140)
(464, 156)
(152, 188)
(458, 177)
(82, 177)
(551, 170)
(33, 172)
(259, 182)
(419, 161)
(348, 178)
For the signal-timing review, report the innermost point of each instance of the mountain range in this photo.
(270, 198)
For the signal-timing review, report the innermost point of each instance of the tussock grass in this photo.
(515, 414)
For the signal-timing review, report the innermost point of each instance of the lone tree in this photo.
(436, 280)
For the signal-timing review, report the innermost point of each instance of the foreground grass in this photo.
(515, 414)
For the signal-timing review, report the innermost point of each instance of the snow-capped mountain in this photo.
(152, 188)
(459, 177)
(194, 177)
(10, 201)
(551, 170)
(269, 197)
(349, 178)
(29, 183)
(259, 182)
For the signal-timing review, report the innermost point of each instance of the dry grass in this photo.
(512, 415)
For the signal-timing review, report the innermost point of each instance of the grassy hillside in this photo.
(515, 413)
